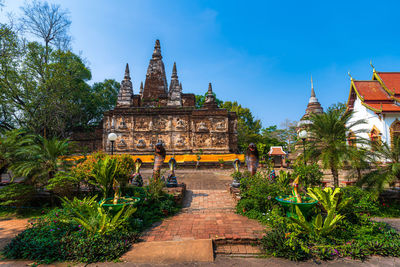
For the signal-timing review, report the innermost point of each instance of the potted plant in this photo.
(221, 163)
(105, 176)
(289, 203)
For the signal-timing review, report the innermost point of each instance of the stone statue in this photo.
(252, 158)
(159, 157)
(136, 178)
(236, 175)
(116, 187)
(171, 180)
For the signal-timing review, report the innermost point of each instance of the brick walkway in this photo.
(10, 228)
(206, 214)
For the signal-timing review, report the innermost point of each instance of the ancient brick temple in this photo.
(158, 114)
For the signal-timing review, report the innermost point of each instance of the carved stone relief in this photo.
(202, 127)
(220, 126)
(141, 123)
(180, 124)
(141, 144)
(180, 142)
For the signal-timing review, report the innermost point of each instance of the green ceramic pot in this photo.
(290, 207)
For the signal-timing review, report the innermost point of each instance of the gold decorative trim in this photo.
(378, 78)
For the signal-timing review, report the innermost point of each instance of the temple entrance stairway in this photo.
(207, 224)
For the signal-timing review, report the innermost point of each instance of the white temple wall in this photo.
(372, 119)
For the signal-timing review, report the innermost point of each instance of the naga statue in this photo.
(252, 158)
(171, 180)
(295, 185)
(116, 187)
(159, 157)
(236, 174)
(136, 178)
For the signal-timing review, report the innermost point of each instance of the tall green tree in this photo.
(383, 174)
(328, 138)
(248, 127)
(50, 98)
(201, 98)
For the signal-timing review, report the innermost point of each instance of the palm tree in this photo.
(38, 158)
(328, 138)
(387, 173)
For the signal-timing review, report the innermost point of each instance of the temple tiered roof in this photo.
(381, 94)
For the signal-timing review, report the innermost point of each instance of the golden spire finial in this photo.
(312, 84)
(351, 78)
(373, 68)
(312, 88)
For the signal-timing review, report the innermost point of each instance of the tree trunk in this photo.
(335, 175)
(358, 174)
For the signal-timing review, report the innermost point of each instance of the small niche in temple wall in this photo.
(122, 124)
(180, 124)
(122, 143)
(202, 127)
(180, 142)
(220, 125)
(141, 143)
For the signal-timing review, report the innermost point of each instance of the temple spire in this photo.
(175, 91)
(312, 88)
(174, 72)
(210, 102)
(127, 75)
(313, 104)
(156, 85)
(141, 88)
(157, 50)
(126, 91)
(210, 92)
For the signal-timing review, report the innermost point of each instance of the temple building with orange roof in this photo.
(377, 101)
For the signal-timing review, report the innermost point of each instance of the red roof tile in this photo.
(371, 90)
(386, 107)
(391, 80)
(276, 151)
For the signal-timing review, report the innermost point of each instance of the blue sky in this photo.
(259, 53)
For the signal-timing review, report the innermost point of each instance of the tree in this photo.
(201, 98)
(248, 127)
(33, 156)
(53, 98)
(289, 134)
(384, 174)
(271, 136)
(47, 22)
(328, 138)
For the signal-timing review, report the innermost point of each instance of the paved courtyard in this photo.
(10, 228)
(208, 211)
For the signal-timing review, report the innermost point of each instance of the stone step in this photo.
(164, 252)
(237, 247)
(237, 250)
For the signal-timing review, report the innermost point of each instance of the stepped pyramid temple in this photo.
(161, 114)
(377, 101)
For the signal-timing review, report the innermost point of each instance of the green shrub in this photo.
(82, 231)
(310, 175)
(42, 240)
(279, 243)
(96, 248)
(94, 218)
(16, 194)
(258, 193)
(64, 184)
(85, 170)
